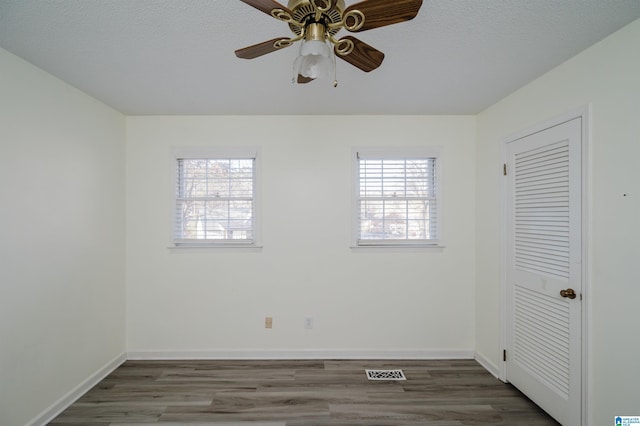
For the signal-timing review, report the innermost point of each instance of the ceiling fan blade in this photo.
(304, 80)
(363, 56)
(266, 6)
(379, 13)
(251, 52)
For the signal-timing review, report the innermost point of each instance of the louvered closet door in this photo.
(543, 259)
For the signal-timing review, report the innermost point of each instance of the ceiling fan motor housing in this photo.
(303, 10)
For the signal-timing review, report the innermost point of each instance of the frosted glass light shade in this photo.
(315, 59)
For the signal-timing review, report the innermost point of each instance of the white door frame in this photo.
(585, 114)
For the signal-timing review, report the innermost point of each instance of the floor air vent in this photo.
(385, 375)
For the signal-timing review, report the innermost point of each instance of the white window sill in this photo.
(398, 247)
(215, 248)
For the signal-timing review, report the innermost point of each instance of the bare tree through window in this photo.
(215, 199)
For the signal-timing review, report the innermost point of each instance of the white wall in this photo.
(607, 77)
(62, 306)
(213, 303)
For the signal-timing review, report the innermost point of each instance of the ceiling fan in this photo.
(316, 22)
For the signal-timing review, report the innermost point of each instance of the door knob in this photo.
(570, 293)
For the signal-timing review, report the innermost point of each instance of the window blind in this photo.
(397, 201)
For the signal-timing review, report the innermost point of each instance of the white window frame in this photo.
(191, 153)
(395, 153)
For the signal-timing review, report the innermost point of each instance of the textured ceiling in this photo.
(148, 57)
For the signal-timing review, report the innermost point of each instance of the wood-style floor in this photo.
(299, 393)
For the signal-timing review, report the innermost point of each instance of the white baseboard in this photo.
(488, 365)
(59, 406)
(258, 354)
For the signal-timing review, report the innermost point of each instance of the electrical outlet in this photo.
(268, 322)
(308, 323)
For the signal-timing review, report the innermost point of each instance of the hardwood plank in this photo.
(109, 414)
(208, 424)
(400, 413)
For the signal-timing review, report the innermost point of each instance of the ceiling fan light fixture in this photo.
(315, 60)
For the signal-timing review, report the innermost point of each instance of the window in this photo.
(215, 198)
(396, 197)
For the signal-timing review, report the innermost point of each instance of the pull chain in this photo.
(335, 72)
